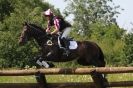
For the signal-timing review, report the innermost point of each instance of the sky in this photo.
(125, 19)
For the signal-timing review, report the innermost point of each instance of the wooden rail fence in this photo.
(96, 74)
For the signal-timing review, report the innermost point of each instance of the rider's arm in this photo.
(57, 26)
(48, 27)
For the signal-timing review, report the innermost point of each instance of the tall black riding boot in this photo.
(66, 43)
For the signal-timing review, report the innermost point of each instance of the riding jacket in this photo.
(59, 23)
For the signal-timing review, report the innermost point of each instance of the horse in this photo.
(87, 52)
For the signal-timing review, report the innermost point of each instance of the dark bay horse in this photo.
(87, 53)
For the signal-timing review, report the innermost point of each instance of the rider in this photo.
(60, 26)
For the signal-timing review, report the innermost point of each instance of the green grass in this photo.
(65, 78)
(69, 78)
(17, 79)
(120, 77)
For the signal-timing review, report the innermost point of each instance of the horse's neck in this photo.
(39, 40)
(55, 39)
(39, 36)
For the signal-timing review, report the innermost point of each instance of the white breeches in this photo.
(66, 32)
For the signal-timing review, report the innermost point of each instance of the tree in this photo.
(128, 49)
(11, 54)
(5, 9)
(88, 12)
(95, 20)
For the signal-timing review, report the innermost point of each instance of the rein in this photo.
(49, 41)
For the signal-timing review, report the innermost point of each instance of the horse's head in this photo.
(24, 34)
(29, 31)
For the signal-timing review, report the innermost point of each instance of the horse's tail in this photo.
(101, 57)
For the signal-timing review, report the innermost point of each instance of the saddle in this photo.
(64, 43)
(67, 42)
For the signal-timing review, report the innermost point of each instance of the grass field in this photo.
(64, 78)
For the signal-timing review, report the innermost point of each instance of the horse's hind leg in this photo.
(101, 60)
(83, 62)
(97, 63)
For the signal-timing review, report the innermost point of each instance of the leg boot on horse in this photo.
(42, 63)
(45, 64)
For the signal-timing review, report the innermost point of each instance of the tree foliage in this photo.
(95, 20)
(87, 12)
(5, 9)
(128, 49)
(11, 24)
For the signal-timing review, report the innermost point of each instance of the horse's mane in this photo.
(38, 27)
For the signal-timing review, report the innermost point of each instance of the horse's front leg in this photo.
(38, 61)
(42, 63)
(42, 60)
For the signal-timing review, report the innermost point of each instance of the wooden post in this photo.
(41, 80)
(98, 79)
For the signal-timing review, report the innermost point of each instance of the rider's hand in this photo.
(47, 30)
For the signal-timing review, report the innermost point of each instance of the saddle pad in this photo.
(73, 45)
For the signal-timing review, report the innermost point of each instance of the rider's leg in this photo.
(65, 41)
(66, 32)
